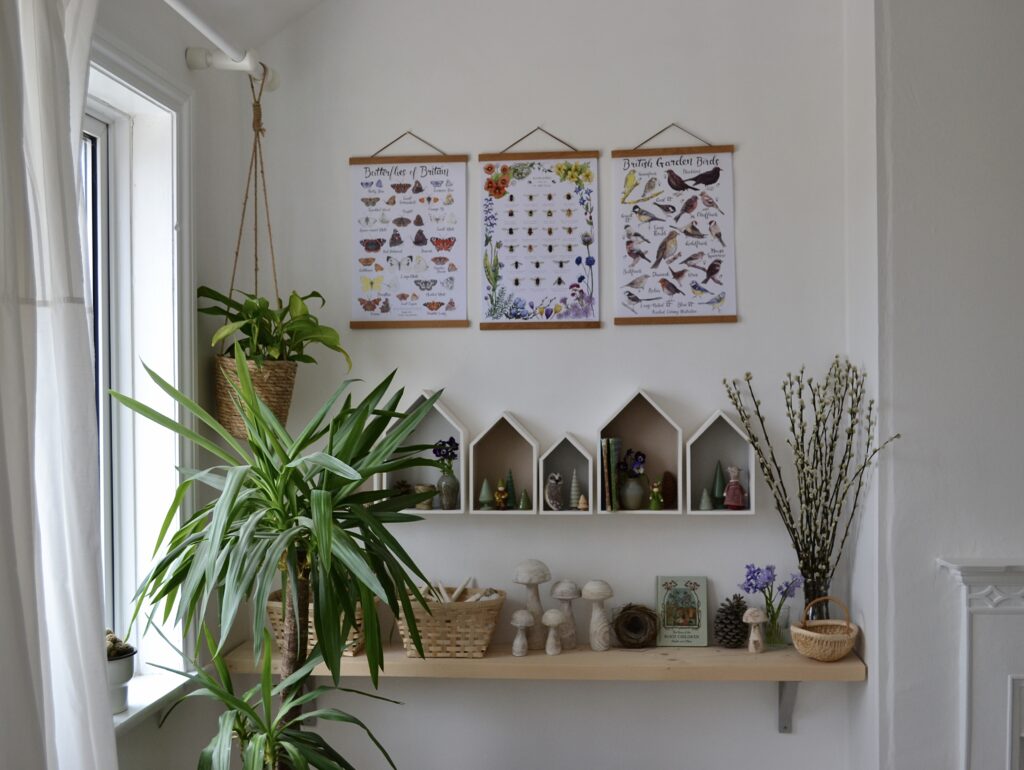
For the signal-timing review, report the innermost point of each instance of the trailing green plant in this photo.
(286, 511)
(269, 333)
(266, 720)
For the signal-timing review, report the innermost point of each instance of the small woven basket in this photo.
(273, 383)
(824, 640)
(461, 629)
(275, 612)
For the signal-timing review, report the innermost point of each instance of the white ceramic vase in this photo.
(119, 673)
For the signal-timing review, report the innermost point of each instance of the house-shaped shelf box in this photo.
(439, 425)
(718, 440)
(643, 425)
(566, 457)
(505, 446)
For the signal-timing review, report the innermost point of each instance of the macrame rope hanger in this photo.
(256, 178)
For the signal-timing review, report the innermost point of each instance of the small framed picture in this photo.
(682, 611)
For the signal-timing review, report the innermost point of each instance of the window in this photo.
(132, 214)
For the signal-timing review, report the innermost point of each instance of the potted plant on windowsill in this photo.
(120, 670)
(274, 337)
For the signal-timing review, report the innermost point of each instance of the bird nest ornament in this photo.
(636, 626)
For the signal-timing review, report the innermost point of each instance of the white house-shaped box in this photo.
(505, 446)
(440, 424)
(643, 425)
(719, 439)
(564, 457)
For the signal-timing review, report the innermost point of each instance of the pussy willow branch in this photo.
(831, 435)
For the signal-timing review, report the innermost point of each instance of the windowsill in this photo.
(148, 695)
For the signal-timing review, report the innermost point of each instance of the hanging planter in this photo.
(273, 335)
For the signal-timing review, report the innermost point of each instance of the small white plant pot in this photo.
(119, 673)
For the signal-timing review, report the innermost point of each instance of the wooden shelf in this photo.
(659, 664)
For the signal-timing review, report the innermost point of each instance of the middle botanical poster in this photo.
(540, 240)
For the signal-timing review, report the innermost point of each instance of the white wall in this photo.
(951, 116)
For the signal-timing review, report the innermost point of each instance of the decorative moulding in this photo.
(439, 424)
(563, 456)
(642, 424)
(718, 439)
(504, 445)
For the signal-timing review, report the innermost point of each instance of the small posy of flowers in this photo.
(632, 464)
(761, 580)
(446, 452)
(498, 178)
(577, 173)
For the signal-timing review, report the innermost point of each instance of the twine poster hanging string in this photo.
(666, 128)
(528, 134)
(414, 136)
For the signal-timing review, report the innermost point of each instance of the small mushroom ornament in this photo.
(522, 620)
(565, 591)
(553, 619)
(531, 573)
(754, 617)
(600, 627)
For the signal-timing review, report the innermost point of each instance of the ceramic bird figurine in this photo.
(553, 492)
(676, 182)
(629, 184)
(716, 231)
(692, 230)
(711, 271)
(666, 248)
(707, 178)
(668, 287)
(710, 202)
(645, 216)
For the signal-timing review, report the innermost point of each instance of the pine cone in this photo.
(730, 630)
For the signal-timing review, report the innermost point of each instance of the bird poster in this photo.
(540, 240)
(409, 241)
(675, 248)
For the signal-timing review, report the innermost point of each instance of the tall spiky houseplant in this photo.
(287, 511)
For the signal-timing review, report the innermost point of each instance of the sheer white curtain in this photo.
(54, 705)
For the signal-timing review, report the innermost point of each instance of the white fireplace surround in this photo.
(991, 662)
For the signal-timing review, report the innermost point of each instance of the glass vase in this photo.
(776, 632)
(815, 589)
(448, 491)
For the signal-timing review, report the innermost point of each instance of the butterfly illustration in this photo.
(401, 221)
(450, 306)
(420, 265)
(418, 221)
(448, 200)
(439, 260)
(369, 202)
(417, 188)
(385, 306)
(396, 239)
(390, 201)
(428, 199)
(366, 261)
(368, 183)
(434, 306)
(437, 182)
(402, 297)
(372, 245)
(425, 284)
(451, 218)
(380, 184)
(443, 244)
(415, 297)
(372, 284)
(449, 283)
(366, 221)
(452, 267)
(420, 239)
(436, 218)
(400, 187)
(377, 267)
(383, 217)
(369, 305)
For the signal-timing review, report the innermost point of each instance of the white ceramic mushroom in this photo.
(522, 620)
(553, 619)
(531, 573)
(754, 617)
(600, 627)
(565, 591)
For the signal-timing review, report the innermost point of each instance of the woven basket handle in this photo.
(827, 599)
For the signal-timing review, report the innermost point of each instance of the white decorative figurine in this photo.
(553, 619)
(600, 627)
(531, 573)
(553, 492)
(565, 591)
(754, 617)
(522, 620)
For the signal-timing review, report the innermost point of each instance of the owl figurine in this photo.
(553, 491)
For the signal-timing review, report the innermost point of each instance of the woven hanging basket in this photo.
(461, 629)
(275, 613)
(824, 640)
(273, 383)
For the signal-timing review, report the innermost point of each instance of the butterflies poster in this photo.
(409, 241)
(540, 240)
(674, 249)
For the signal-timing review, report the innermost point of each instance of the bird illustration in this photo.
(629, 184)
(645, 216)
(716, 302)
(694, 258)
(697, 289)
(711, 271)
(668, 287)
(668, 208)
(688, 207)
(649, 187)
(716, 232)
(553, 492)
(635, 299)
(676, 182)
(637, 283)
(692, 231)
(635, 254)
(636, 235)
(707, 178)
(678, 274)
(666, 248)
(710, 202)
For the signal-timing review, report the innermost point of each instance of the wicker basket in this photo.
(273, 383)
(275, 612)
(461, 629)
(824, 640)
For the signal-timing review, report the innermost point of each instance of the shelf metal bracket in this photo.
(787, 700)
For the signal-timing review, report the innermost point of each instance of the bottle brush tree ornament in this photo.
(730, 630)
(574, 490)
